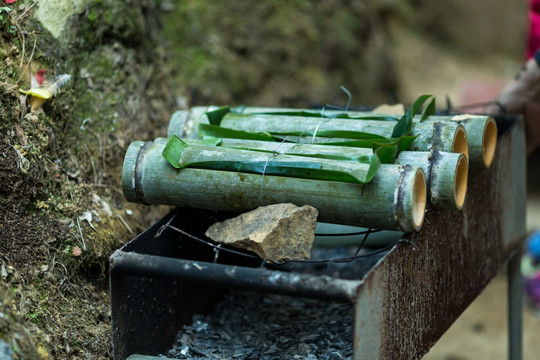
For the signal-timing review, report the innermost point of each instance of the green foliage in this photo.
(219, 132)
(323, 115)
(104, 21)
(428, 110)
(4, 9)
(404, 125)
(173, 151)
(215, 117)
(210, 141)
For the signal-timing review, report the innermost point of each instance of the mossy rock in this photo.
(271, 53)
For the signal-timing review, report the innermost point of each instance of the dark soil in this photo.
(24, 232)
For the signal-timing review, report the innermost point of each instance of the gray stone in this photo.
(6, 353)
(275, 232)
(54, 14)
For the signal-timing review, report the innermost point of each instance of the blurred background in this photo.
(134, 62)
(381, 50)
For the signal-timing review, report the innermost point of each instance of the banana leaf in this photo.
(208, 130)
(403, 142)
(177, 153)
(428, 110)
(215, 116)
(323, 115)
(210, 141)
(404, 125)
(332, 134)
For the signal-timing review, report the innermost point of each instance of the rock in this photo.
(6, 353)
(275, 232)
(54, 15)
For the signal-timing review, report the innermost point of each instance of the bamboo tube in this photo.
(395, 199)
(481, 130)
(184, 123)
(447, 137)
(446, 173)
(431, 136)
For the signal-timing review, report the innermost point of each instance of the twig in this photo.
(92, 163)
(344, 89)
(69, 187)
(125, 224)
(82, 237)
(21, 36)
(32, 54)
(25, 11)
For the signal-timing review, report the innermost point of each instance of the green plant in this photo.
(4, 9)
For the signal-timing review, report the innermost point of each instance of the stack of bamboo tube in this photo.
(434, 168)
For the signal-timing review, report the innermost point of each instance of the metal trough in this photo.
(405, 297)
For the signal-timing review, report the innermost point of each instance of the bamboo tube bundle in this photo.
(446, 173)
(438, 136)
(395, 199)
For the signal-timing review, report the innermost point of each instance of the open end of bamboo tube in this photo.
(460, 182)
(419, 199)
(460, 144)
(489, 141)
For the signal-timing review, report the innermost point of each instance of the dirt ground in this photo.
(481, 332)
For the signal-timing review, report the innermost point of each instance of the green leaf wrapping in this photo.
(215, 116)
(332, 134)
(178, 155)
(210, 141)
(404, 125)
(207, 130)
(173, 150)
(219, 132)
(428, 110)
(387, 154)
(322, 115)
(404, 142)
